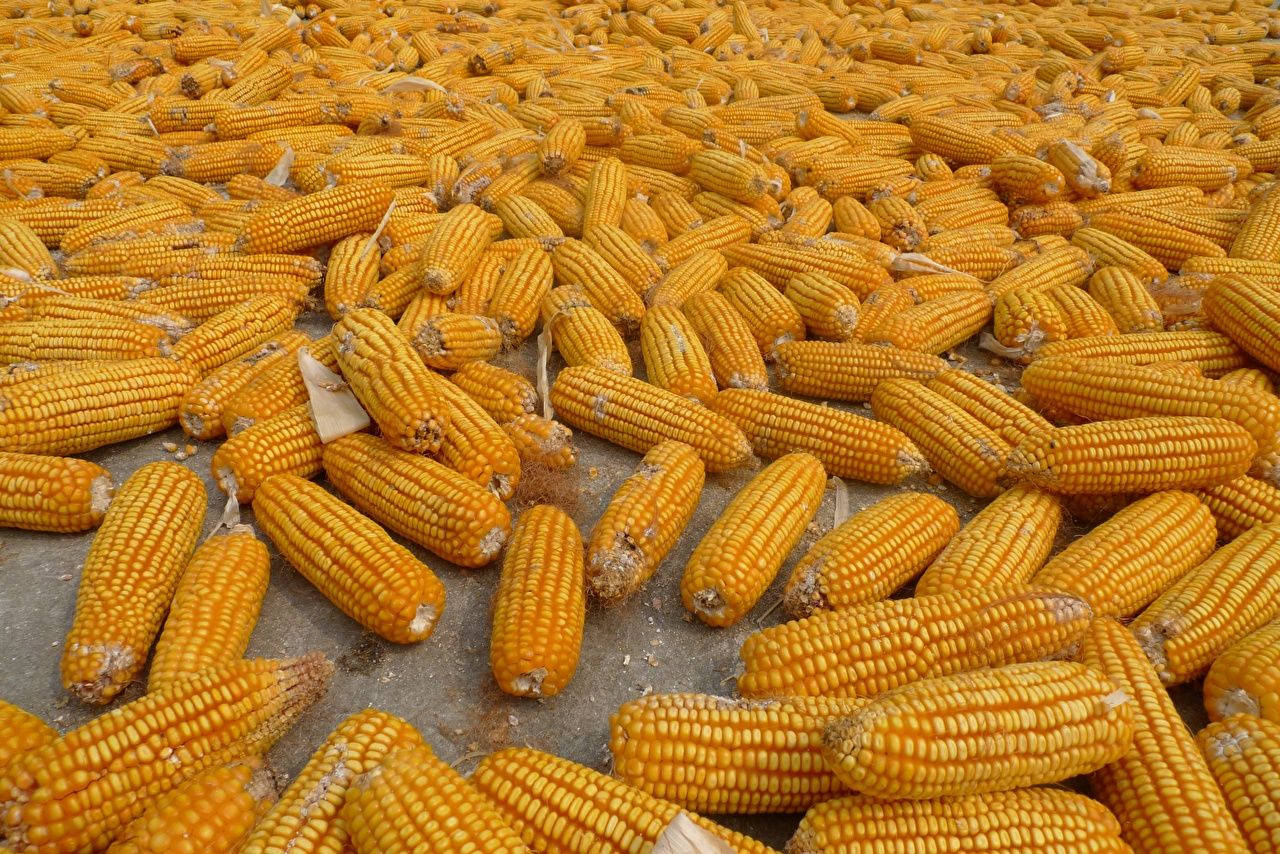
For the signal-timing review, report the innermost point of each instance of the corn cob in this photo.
(1245, 311)
(577, 264)
(23, 731)
(731, 175)
(321, 217)
(558, 805)
(864, 651)
(1239, 504)
(1243, 754)
(1245, 678)
(695, 275)
(1064, 265)
(738, 558)
(827, 308)
(1123, 296)
(306, 816)
(1161, 790)
(129, 577)
(624, 255)
(605, 194)
(561, 146)
(351, 272)
(214, 608)
(870, 555)
(202, 407)
(413, 801)
(350, 559)
(935, 325)
(448, 341)
(39, 304)
(235, 332)
(542, 441)
(1213, 352)
(523, 217)
(226, 714)
(734, 357)
(61, 494)
(474, 445)
(132, 220)
(674, 357)
(719, 755)
(1229, 595)
(501, 393)
(285, 442)
(1177, 166)
(455, 247)
(22, 249)
(516, 300)
(847, 371)
(103, 339)
(711, 236)
(773, 319)
(988, 403)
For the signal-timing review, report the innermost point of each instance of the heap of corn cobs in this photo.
(781, 202)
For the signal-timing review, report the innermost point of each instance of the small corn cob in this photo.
(523, 217)
(474, 445)
(1084, 173)
(1124, 563)
(413, 801)
(1039, 818)
(711, 236)
(350, 559)
(641, 222)
(542, 441)
(935, 325)
(1247, 312)
(870, 555)
(23, 731)
(218, 807)
(104, 339)
(321, 217)
(1132, 455)
(306, 818)
(129, 577)
(539, 606)
(864, 651)
(1239, 504)
(1213, 352)
(562, 145)
(1123, 296)
(577, 264)
(847, 370)
(211, 719)
(351, 273)
(558, 805)
(1161, 790)
(214, 608)
(773, 318)
(62, 494)
(200, 413)
(674, 357)
(235, 332)
(1226, 597)
(1245, 679)
(516, 300)
(901, 226)
(730, 344)
(827, 308)
(455, 247)
(132, 220)
(283, 443)
(1064, 265)
(605, 194)
(625, 255)
(503, 394)
(448, 341)
(743, 550)
(1243, 754)
(719, 755)
(390, 380)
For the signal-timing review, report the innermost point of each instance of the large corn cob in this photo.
(1245, 679)
(719, 755)
(286, 443)
(1130, 559)
(1161, 791)
(935, 325)
(317, 218)
(869, 649)
(1243, 754)
(306, 818)
(741, 553)
(148, 747)
(350, 559)
(455, 247)
(22, 731)
(102, 338)
(41, 493)
(501, 393)
(1133, 455)
(770, 315)
(582, 333)
(1249, 313)
(1213, 352)
(235, 332)
(870, 555)
(985, 731)
(674, 358)
(1229, 595)
(576, 263)
(474, 445)
(643, 520)
(558, 805)
(847, 371)
(129, 576)
(215, 607)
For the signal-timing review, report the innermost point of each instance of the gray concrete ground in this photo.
(443, 685)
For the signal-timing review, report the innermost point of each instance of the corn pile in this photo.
(709, 211)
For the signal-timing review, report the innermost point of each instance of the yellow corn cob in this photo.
(853, 218)
(643, 520)
(104, 338)
(1023, 178)
(901, 226)
(503, 394)
(1250, 378)
(624, 255)
(214, 811)
(780, 262)
(39, 304)
(577, 264)
(1161, 790)
(991, 405)
(474, 445)
(21, 248)
(1036, 220)
(306, 818)
(351, 272)
(1081, 315)
(455, 247)
(1239, 504)
(773, 319)
(1246, 311)
(235, 332)
(562, 145)
(229, 713)
(697, 274)
(935, 325)
(1245, 678)
(827, 308)
(731, 175)
(200, 413)
(1131, 455)
(1180, 165)
(870, 555)
(1065, 265)
(1226, 597)
(719, 755)
(741, 553)
(678, 215)
(1260, 231)
(473, 295)
(605, 194)
(582, 334)
(321, 217)
(735, 359)
(215, 607)
(1123, 296)
(847, 371)
(52, 217)
(539, 606)
(641, 222)
(1243, 754)
(283, 442)
(350, 559)
(1213, 352)
(23, 731)
(129, 577)
(563, 206)
(711, 236)
(390, 380)
(135, 219)
(674, 357)
(446, 342)
(523, 217)
(413, 801)
(61, 494)
(542, 441)
(955, 141)
(932, 286)
(555, 804)
(516, 300)
(1164, 241)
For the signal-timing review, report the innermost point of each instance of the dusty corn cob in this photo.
(1245, 678)
(414, 801)
(23, 731)
(1213, 352)
(1237, 505)
(235, 332)
(129, 576)
(773, 319)
(1161, 790)
(995, 822)
(555, 804)
(844, 653)
(719, 755)
(455, 247)
(102, 339)
(1229, 595)
(985, 731)
(1131, 455)
(284, 443)
(41, 493)
(390, 380)
(539, 606)
(643, 520)
(847, 370)
(502, 394)
(218, 807)
(575, 263)
(1243, 754)
(350, 559)
(306, 817)
(201, 410)
(742, 552)
(231, 712)
(870, 555)
(1247, 312)
(321, 217)
(636, 415)
(674, 357)
(543, 441)
(1124, 563)
(827, 308)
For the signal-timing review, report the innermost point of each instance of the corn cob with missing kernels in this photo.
(41, 493)
(1243, 754)
(542, 441)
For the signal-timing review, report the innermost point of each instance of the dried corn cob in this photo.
(1213, 352)
(827, 308)
(200, 413)
(515, 303)
(577, 264)
(455, 247)
(1064, 265)
(502, 394)
(448, 341)
(474, 445)
(695, 275)
(1245, 678)
(40, 493)
(321, 217)
(1243, 754)
(235, 332)
(283, 443)
(730, 345)
(350, 274)
(23, 731)
(625, 255)
(847, 370)
(605, 194)
(103, 339)
(773, 319)
(674, 357)
(711, 236)
(542, 441)
(1123, 296)
(1246, 311)
(935, 325)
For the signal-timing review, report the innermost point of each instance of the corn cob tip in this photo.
(111, 659)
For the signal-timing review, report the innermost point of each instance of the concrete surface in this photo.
(443, 685)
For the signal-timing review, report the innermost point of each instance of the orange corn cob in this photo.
(772, 318)
(502, 394)
(1243, 754)
(1245, 679)
(103, 339)
(1213, 352)
(40, 493)
(935, 325)
(1064, 265)
(735, 359)
(200, 413)
(1123, 296)
(516, 299)
(1239, 504)
(23, 731)
(454, 248)
(674, 357)
(1247, 312)
(827, 308)
(448, 341)
(577, 264)
(235, 332)
(605, 194)
(542, 441)
(475, 445)
(350, 274)
(987, 402)
(847, 371)
(695, 275)
(713, 235)
(285, 442)
(321, 217)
